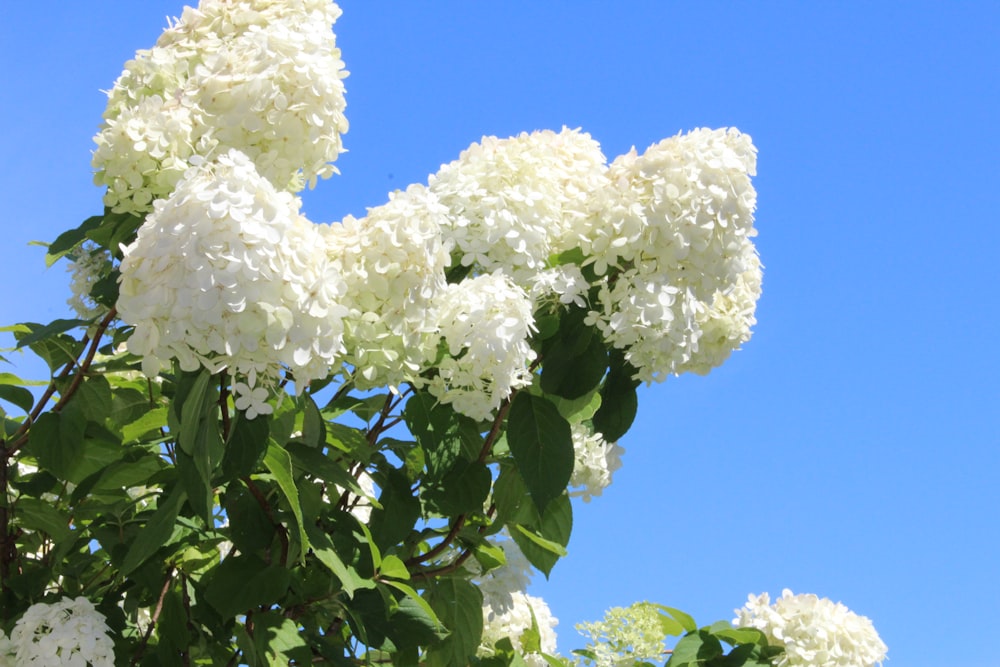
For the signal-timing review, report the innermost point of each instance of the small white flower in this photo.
(595, 462)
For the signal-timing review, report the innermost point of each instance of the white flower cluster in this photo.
(514, 202)
(595, 461)
(69, 632)
(90, 264)
(509, 612)
(394, 262)
(485, 322)
(262, 76)
(227, 274)
(676, 223)
(815, 632)
(626, 636)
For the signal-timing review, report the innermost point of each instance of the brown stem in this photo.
(155, 617)
(21, 436)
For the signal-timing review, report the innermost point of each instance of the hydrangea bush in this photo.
(267, 440)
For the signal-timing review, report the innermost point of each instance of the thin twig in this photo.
(155, 617)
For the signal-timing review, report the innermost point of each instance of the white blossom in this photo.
(673, 233)
(514, 202)
(626, 635)
(393, 263)
(485, 322)
(227, 274)
(261, 76)
(595, 461)
(89, 264)
(527, 613)
(815, 632)
(68, 632)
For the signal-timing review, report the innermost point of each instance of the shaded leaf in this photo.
(542, 444)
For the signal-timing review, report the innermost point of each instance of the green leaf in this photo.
(153, 420)
(245, 447)
(155, 533)
(463, 489)
(392, 566)
(459, 605)
(94, 395)
(684, 619)
(71, 238)
(41, 332)
(313, 427)
(314, 462)
(695, 648)
(279, 640)
(244, 581)
(619, 401)
(279, 463)
(399, 511)
(18, 396)
(576, 359)
(413, 624)
(41, 516)
(56, 440)
(542, 445)
(10, 378)
(326, 553)
(437, 429)
(543, 543)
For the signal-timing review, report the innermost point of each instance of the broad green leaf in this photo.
(56, 440)
(152, 420)
(245, 447)
(155, 533)
(326, 553)
(279, 463)
(542, 445)
(279, 640)
(459, 605)
(435, 428)
(71, 238)
(684, 619)
(413, 624)
(94, 395)
(244, 581)
(42, 516)
(544, 542)
(619, 401)
(463, 489)
(18, 396)
(575, 360)
(313, 427)
(392, 566)
(192, 410)
(10, 378)
(695, 648)
(40, 332)
(315, 462)
(399, 511)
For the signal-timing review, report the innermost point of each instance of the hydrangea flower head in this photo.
(261, 76)
(227, 274)
(485, 322)
(674, 229)
(393, 263)
(513, 202)
(815, 632)
(68, 632)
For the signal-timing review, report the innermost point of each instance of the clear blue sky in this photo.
(852, 448)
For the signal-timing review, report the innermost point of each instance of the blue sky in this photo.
(851, 448)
